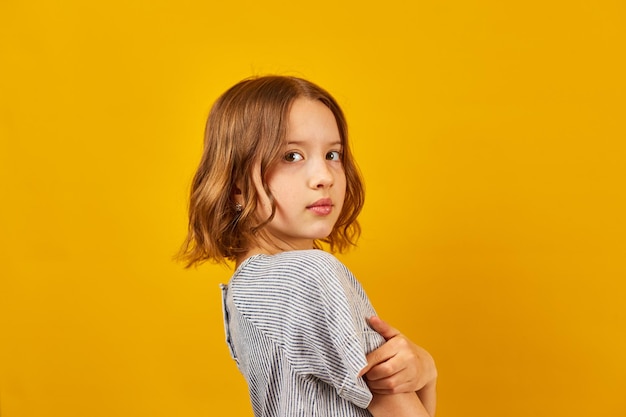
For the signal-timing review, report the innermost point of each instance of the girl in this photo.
(276, 181)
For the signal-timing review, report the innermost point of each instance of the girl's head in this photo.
(233, 207)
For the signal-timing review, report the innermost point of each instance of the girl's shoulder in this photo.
(295, 258)
(293, 283)
(290, 267)
(299, 257)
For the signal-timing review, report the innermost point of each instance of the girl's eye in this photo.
(293, 157)
(333, 156)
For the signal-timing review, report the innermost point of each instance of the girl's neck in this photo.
(252, 252)
(267, 249)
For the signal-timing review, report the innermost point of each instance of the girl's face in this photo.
(309, 182)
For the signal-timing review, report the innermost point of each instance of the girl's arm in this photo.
(397, 405)
(400, 366)
(428, 397)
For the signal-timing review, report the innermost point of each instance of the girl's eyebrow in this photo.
(303, 142)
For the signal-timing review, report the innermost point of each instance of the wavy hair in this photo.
(244, 137)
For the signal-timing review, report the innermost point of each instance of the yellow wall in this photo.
(491, 135)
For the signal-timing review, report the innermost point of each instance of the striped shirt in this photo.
(296, 326)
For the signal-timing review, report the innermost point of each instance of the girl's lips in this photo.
(322, 207)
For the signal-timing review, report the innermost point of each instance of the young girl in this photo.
(276, 181)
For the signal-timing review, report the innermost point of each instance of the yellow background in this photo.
(491, 136)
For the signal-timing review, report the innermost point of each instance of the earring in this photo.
(238, 208)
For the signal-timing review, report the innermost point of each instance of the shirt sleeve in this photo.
(320, 321)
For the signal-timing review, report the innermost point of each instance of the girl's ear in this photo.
(236, 190)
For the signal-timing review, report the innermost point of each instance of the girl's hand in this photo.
(398, 366)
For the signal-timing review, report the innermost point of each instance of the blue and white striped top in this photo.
(296, 325)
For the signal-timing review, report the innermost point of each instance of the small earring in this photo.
(238, 208)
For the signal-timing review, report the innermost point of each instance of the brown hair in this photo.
(245, 133)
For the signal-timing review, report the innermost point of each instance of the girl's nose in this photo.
(321, 175)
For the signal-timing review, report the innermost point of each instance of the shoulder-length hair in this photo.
(244, 137)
